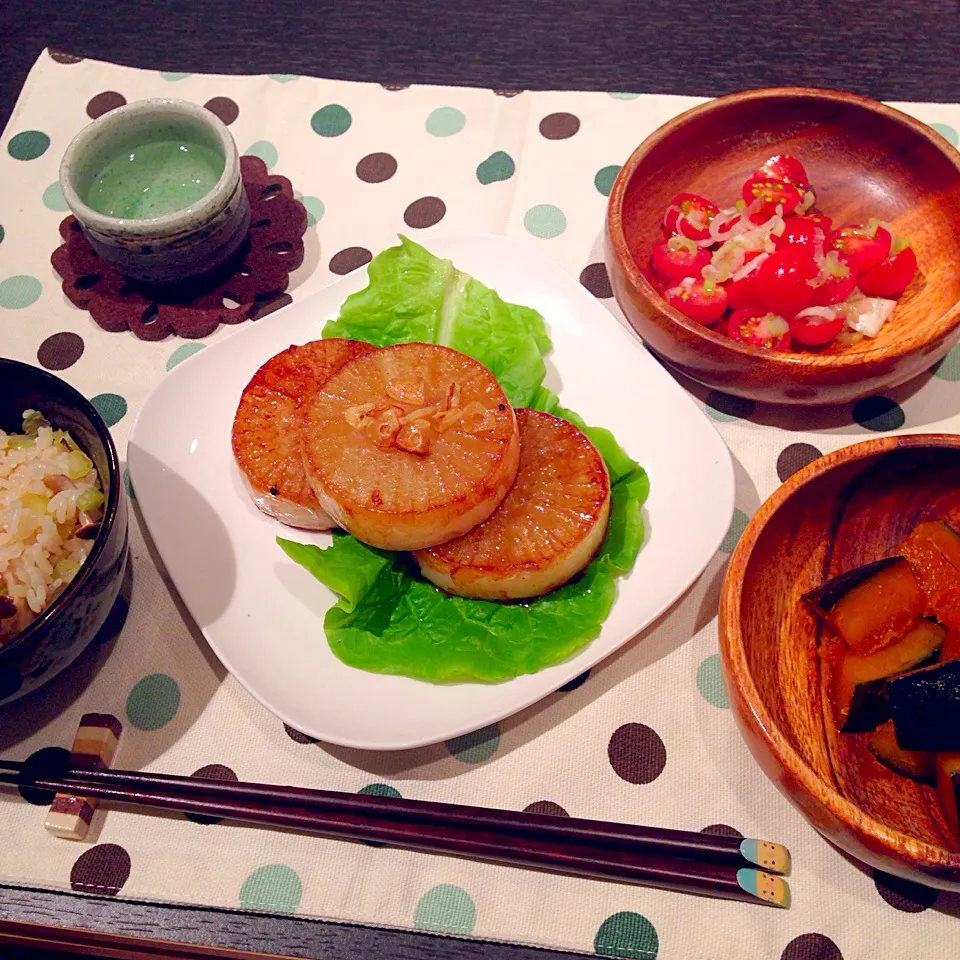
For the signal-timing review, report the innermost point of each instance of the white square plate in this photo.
(263, 614)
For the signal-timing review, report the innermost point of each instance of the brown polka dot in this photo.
(376, 167)
(212, 771)
(637, 753)
(394, 87)
(559, 126)
(904, 895)
(722, 830)
(508, 93)
(811, 946)
(102, 870)
(49, 762)
(795, 457)
(577, 681)
(295, 735)
(62, 57)
(104, 102)
(546, 808)
(224, 108)
(60, 350)
(348, 259)
(594, 277)
(424, 212)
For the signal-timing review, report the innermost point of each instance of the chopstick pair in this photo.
(670, 859)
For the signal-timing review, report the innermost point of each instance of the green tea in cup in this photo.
(156, 187)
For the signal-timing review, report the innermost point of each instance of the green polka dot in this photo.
(879, 413)
(737, 525)
(629, 935)
(28, 145)
(945, 130)
(477, 746)
(128, 484)
(53, 198)
(275, 888)
(949, 367)
(710, 682)
(153, 702)
(265, 150)
(498, 166)
(331, 120)
(173, 77)
(604, 178)
(446, 121)
(624, 96)
(446, 909)
(315, 209)
(111, 406)
(725, 406)
(19, 292)
(182, 352)
(545, 221)
(381, 790)
(284, 77)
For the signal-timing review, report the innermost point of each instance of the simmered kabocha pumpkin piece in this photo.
(933, 552)
(919, 765)
(925, 706)
(861, 681)
(871, 607)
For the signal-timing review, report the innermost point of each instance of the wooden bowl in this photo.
(864, 160)
(845, 509)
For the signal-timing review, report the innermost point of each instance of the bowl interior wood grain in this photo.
(837, 514)
(864, 160)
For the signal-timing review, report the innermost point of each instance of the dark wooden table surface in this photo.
(889, 49)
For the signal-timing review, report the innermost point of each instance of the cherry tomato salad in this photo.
(772, 273)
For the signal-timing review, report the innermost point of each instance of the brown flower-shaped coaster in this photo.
(250, 286)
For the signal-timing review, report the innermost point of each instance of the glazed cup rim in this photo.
(167, 223)
(733, 650)
(110, 510)
(936, 327)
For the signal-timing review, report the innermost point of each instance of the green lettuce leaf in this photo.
(414, 296)
(388, 618)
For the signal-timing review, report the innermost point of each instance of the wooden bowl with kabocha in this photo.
(840, 643)
(790, 245)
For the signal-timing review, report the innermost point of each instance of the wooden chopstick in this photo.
(572, 856)
(733, 851)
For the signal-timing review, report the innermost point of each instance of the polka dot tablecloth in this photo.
(646, 737)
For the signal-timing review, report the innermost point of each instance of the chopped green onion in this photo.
(677, 243)
(66, 569)
(33, 421)
(741, 205)
(78, 464)
(899, 245)
(834, 265)
(19, 442)
(89, 500)
(709, 285)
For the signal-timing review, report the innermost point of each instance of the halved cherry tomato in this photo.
(783, 280)
(773, 193)
(892, 276)
(800, 232)
(822, 221)
(760, 328)
(781, 166)
(696, 211)
(860, 247)
(828, 290)
(698, 303)
(678, 257)
(742, 292)
(814, 331)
